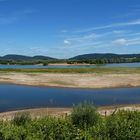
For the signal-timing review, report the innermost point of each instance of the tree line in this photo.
(69, 61)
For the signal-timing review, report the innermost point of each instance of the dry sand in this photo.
(73, 80)
(65, 64)
(63, 112)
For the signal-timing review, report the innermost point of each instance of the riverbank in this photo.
(62, 112)
(66, 64)
(73, 78)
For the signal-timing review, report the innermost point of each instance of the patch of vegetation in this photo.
(83, 124)
(73, 70)
(84, 115)
(21, 119)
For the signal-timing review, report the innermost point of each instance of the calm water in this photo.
(14, 97)
(91, 66)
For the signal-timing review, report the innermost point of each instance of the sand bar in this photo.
(72, 80)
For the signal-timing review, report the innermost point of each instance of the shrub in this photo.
(84, 124)
(1, 136)
(21, 118)
(124, 125)
(49, 128)
(84, 115)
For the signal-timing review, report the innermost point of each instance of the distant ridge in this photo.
(78, 57)
(104, 56)
(23, 57)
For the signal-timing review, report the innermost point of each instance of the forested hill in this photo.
(79, 57)
(25, 58)
(95, 58)
(102, 58)
(105, 56)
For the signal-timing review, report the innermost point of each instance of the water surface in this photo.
(129, 65)
(15, 97)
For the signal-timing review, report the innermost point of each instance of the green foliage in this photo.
(124, 125)
(98, 70)
(84, 115)
(21, 118)
(103, 60)
(1, 136)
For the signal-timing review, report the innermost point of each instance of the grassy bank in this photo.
(85, 123)
(73, 70)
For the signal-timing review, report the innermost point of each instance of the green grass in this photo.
(73, 70)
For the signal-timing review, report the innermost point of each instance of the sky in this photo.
(66, 28)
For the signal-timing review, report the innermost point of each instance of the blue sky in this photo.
(65, 28)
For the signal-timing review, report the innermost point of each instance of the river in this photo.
(15, 97)
(127, 65)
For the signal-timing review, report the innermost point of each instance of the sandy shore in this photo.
(65, 64)
(73, 80)
(62, 112)
(37, 113)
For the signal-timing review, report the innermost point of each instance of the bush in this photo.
(124, 125)
(21, 118)
(83, 124)
(84, 115)
(1, 136)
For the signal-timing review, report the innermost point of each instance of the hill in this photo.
(25, 58)
(104, 56)
(95, 58)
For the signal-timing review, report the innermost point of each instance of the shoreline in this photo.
(66, 87)
(65, 64)
(51, 64)
(62, 112)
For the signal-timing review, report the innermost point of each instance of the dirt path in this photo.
(73, 80)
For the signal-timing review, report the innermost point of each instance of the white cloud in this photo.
(15, 16)
(121, 41)
(119, 31)
(134, 41)
(84, 38)
(135, 22)
(67, 42)
(130, 23)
